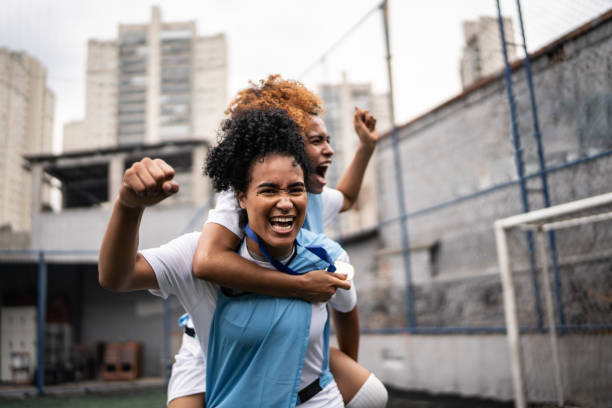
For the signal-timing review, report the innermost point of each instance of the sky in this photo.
(288, 37)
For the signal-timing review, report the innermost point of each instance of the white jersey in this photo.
(172, 264)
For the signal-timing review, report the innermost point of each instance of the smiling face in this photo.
(275, 202)
(319, 154)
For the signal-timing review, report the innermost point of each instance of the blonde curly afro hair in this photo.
(278, 93)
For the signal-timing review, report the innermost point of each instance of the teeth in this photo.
(281, 219)
(326, 165)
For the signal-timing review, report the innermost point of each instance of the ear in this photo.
(241, 197)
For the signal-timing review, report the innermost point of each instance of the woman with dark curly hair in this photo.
(278, 345)
(264, 351)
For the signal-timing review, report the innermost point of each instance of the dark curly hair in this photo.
(249, 136)
(278, 93)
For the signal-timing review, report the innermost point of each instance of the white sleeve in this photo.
(332, 204)
(225, 213)
(172, 264)
(344, 300)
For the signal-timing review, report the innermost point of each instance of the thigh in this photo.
(349, 374)
(188, 378)
(189, 401)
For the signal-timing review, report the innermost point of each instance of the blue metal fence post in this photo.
(518, 150)
(412, 323)
(543, 171)
(40, 327)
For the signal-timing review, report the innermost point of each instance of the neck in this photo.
(275, 252)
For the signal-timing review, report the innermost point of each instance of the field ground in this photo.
(156, 397)
(132, 399)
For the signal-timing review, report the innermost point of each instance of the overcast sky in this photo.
(286, 37)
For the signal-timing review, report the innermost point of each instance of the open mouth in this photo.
(282, 224)
(320, 172)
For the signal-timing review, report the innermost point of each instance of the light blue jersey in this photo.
(257, 343)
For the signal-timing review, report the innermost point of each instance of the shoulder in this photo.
(309, 238)
(186, 242)
(331, 196)
(178, 250)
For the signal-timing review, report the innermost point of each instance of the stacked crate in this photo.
(122, 361)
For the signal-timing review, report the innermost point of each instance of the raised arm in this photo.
(120, 267)
(350, 183)
(216, 260)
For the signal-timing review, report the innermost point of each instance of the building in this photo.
(26, 127)
(69, 241)
(341, 100)
(156, 82)
(482, 52)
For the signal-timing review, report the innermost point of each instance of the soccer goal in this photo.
(556, 275)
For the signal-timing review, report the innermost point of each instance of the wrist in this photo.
(128, 210)
(298, 290)
(367, 146)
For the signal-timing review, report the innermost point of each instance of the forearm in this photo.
(216, 260)
(350, 182)
(228, 269)
(119, 248)
(347, 331)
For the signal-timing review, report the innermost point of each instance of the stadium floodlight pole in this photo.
(520, 166)
(398, 175)
(543, 171)
(40, 320)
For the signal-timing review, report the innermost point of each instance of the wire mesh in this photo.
(458, 160)
(580, 308)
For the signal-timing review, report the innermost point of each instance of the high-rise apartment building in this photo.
(156, 82)
(482, 52)
(341, 100)
(26, 127)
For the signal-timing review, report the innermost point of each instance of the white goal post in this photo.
(540, 222)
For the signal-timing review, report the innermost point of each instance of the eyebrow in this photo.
(274, 185)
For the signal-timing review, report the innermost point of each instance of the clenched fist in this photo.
(365, 127)
(146, 183)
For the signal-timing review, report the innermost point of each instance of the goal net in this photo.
(556, 273)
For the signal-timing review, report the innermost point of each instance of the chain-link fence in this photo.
(506, 143)
(521, 134)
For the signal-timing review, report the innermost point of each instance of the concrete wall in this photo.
(459, 176)
(465, 148)
(135, 316)
(479, 365)
(83, 228)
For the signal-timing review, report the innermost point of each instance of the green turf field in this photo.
(138, 399)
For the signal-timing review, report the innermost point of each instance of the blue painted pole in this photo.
(40, 327)
(520, 167)
(412, 323)
(543, 172)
